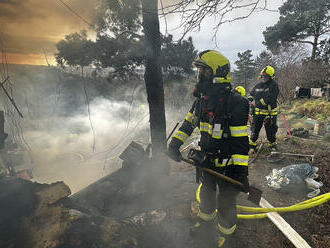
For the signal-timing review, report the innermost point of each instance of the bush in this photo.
(318, 109)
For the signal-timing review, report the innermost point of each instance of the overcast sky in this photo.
(29, 27)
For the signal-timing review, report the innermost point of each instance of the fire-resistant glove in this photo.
(174, 151)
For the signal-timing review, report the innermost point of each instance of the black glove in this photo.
(198, 156)
(174, 153)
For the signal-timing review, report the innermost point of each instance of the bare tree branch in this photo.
(194, 12)
(305, 41)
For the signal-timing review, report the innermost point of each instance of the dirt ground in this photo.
(156, 212)
(312, 224)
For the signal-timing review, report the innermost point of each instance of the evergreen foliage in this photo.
(299, 20)
(75, 50)
(245, 68)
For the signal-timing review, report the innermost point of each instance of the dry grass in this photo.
(318, 109)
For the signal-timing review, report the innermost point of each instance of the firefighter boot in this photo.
(225, 236)
(225, 241)
(252, 151)
(272, 146)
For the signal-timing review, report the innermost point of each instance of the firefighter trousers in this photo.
(224, 200)
(270, 123)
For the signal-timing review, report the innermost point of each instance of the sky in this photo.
(30, 29)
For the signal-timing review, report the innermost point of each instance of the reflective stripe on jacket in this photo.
(265, 97)
(227, 138)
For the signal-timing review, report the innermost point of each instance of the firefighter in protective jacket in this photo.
(263, 98)
(221, 114)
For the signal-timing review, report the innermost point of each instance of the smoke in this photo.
(70, 144)
(63, 146)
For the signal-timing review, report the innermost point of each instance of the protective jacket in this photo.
(221, 115)
(265, 97)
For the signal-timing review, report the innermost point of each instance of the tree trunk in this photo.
(154, 82)
(315, 43)
(316, 40)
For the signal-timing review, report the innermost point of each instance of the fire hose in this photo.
(259, 213)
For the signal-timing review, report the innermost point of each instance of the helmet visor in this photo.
(204, 74)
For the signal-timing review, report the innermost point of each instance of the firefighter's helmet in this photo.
(217, 62)
(241, 90)
(268, 71)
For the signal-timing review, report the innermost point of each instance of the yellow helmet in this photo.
(268, 71)
(241, 90)
(218, 63)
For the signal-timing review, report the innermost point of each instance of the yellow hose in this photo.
(296, 207)
(260, 213)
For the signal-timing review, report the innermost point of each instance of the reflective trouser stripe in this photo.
(239, 159)
(198, 192)
(207, 217)
(227, 231)
(200, 214)
(265, 113)
(238, 131)
(270, 111)
(191, 118)
(181, 136)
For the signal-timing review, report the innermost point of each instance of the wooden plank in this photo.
(284, 227)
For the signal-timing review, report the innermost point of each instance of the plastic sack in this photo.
(296, 177)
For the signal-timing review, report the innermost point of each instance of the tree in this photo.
(299, 20)
(119, 36)
(120, 53)
(125, 54)
(262, 60)
(324, 51)
(120, 26)
(154, 81)
(195, 12)
(177, 57)
(288, 69)
(245, 67)
(75, 50)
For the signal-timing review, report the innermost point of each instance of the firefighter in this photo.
(263, 101)
(221, 115)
